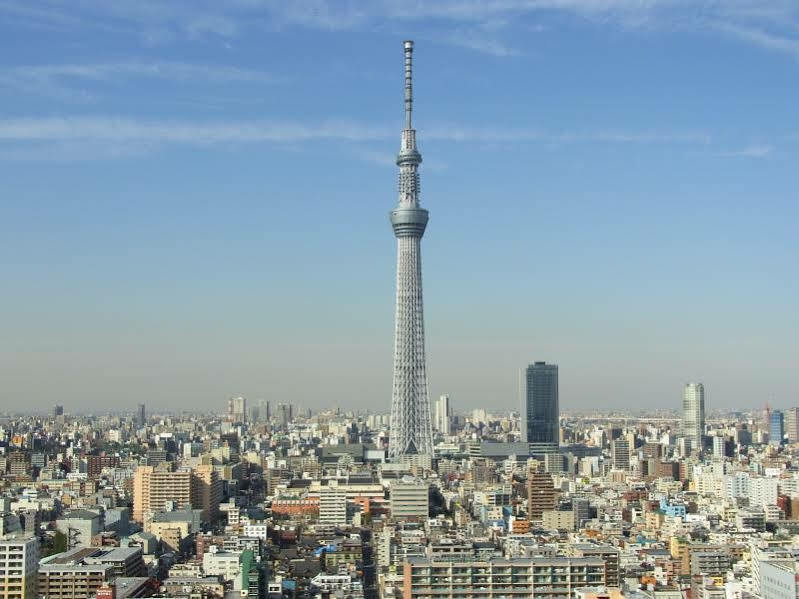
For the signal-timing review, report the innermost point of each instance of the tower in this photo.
(693, 414)
(443, 414)
(411, 426)
(541, 412)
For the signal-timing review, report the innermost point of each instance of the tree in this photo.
(57, 544)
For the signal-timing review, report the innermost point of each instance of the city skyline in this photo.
(174, 178)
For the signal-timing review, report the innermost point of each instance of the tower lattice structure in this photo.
(411, 426)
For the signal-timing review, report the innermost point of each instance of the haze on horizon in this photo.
(195, 200)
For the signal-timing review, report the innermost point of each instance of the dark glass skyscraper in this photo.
(540, 412)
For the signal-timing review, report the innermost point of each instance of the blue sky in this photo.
(195, 199)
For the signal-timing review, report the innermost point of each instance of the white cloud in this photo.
(476, 40)
(764, 39)
(482, 25)
(750, 151)
(127, 130)
(67, 80)
(456, 133)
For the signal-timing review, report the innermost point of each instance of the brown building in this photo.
(541, 494)
(203, 541)
(18, 464)
(667, 469)
(96, 463)
(307, 506)
(652, 450)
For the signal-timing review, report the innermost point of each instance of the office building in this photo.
(620, 454)
(237, 410)
(58, 410)
(779, 580)
(266, 413)
(285, 414)
(776, 430)
(792, 425)
(443, 416)
(540, 409)
(409, 499)
(693, 415)
(19, 566)
(141, 415)
(411, 427)
(719, 447)
(582, 511)
(549, 577)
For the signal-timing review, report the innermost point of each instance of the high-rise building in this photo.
(541, 494)
(284, 415)
(442, 420)
(333, 505)
(237, 409)
(620, 454)
(693, 414)
(206, 491)
(19, 566)
(540, 411)
(409, 499)
(263, 410)
(581, 507)
(719, 447)
(792, 425)
(141, 415)
(411, 427)
(155, 487)
(58, 410)
(776, 428)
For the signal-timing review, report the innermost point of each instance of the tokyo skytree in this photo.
(411, 428)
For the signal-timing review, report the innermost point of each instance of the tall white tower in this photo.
(411, 428)
(693, 414)
(443, 415)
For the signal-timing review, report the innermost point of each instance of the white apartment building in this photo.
(332, 505)
(409, 499)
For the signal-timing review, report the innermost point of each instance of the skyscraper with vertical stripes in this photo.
(693, 414)
(411, 426)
